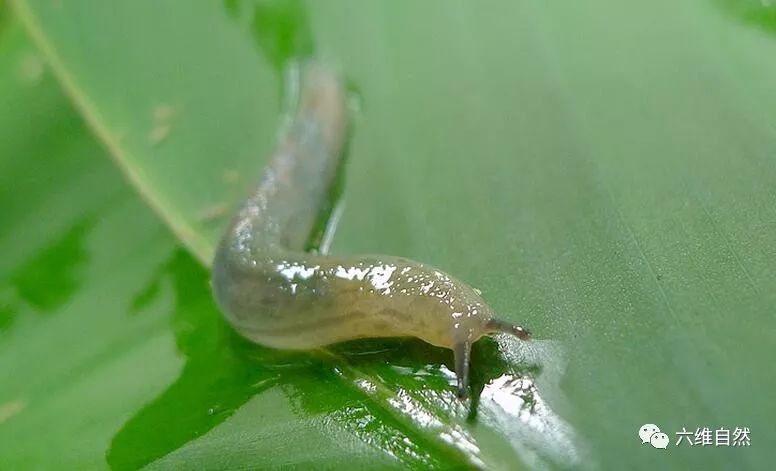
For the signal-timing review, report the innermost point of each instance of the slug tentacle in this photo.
(462, 355)
(499, 326)
(277, 295)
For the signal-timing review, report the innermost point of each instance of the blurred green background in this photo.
(603, 171)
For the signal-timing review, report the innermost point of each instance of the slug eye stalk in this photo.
(462, 351)
(504, 327)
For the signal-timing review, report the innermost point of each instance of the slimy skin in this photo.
(277, 295)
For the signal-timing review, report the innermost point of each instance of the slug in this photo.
(276, 294)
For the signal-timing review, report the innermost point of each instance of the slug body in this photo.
(277, 295)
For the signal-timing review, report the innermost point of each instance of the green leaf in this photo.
(602, 171)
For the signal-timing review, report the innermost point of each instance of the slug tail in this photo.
(284, 209)
(323, 101)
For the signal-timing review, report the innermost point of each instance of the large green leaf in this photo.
(601, 170)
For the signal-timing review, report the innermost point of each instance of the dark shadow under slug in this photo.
(277, 295)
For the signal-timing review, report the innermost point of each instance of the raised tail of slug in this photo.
(322, 100)
(285, 207)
